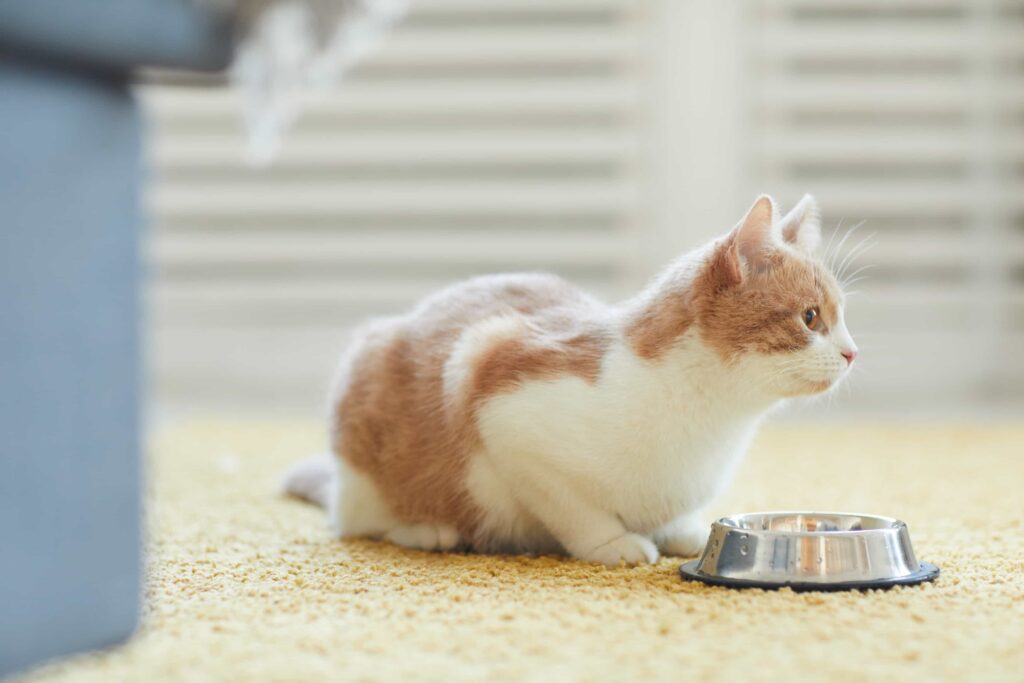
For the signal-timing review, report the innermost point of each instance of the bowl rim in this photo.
(894, 524)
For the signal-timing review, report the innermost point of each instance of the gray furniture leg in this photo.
(69, 345)
(70, 174)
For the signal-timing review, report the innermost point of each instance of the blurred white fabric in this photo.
(287, 48)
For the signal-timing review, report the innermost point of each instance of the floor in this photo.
(244, 585)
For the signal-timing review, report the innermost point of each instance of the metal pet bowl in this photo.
(820, 551)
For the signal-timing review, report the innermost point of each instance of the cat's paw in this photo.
(684, 537)
(630, 549)
(424, 536)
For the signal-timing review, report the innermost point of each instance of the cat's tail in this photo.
(310, 479)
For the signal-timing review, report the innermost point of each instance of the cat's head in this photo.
(768, 301)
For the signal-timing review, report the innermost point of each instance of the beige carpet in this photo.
(247, 586)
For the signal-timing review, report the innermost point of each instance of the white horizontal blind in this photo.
(504, 135)
(1008, 143)
(908, 115)
(481, 137)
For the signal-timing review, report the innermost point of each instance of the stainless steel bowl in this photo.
(808, 551)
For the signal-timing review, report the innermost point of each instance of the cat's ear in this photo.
(749, 243)
(753, 236)
(801, 228)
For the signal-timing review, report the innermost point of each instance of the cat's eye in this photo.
(812, 319)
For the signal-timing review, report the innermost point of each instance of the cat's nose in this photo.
(849, 355)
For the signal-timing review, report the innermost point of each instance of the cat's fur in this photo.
(515, 413)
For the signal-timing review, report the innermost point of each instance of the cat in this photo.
(517, 414)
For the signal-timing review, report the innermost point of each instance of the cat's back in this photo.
(503, 321)
(535, 296)
(545, 303)
(404, 397)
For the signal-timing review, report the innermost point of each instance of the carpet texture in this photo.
(244, 585)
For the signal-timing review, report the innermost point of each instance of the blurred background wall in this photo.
(596, 139)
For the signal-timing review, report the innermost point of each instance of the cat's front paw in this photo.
(629, 549)
(424, 536)
(684, 537)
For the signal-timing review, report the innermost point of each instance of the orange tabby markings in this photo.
(506, 364)
(393, 420)
(658, 325)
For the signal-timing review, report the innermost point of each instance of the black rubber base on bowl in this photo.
(927, 572)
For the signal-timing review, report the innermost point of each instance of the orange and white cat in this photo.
(515, 413)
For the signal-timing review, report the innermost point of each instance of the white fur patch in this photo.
(474, 340)
(646, 444)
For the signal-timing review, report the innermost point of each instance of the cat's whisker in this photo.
(868, 242)
(858, 271)
(855, 281)
(827, 253)
(836, 244)
(856, 253)
(849, 380)
(848, 278)
(839, 247)
(858, 250)
(866, 266)
(831, 400)
(850, 261)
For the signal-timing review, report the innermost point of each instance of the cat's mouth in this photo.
(818, 385)
(805, 386)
